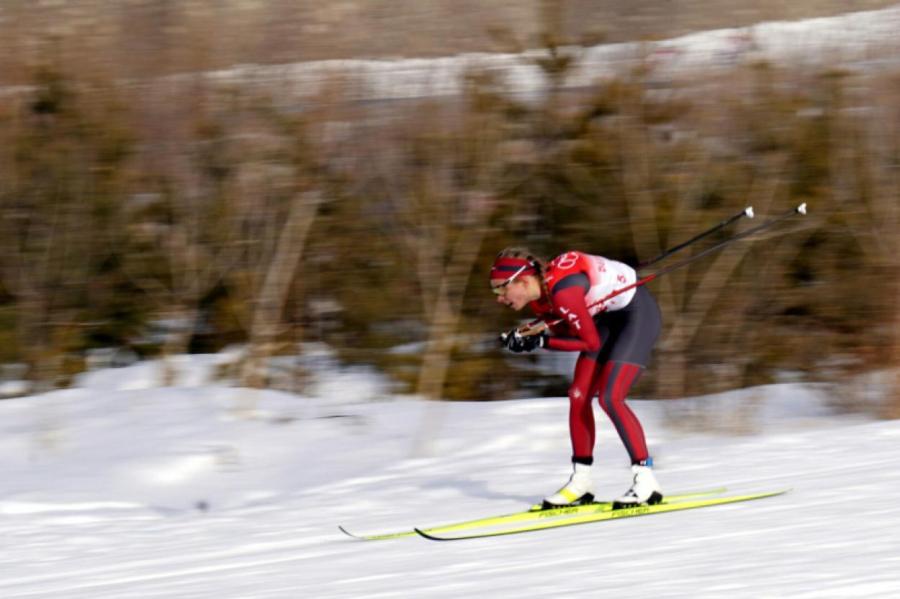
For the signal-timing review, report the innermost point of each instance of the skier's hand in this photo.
(519, 343)
(504, 337)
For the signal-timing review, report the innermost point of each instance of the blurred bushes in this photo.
(165, 214)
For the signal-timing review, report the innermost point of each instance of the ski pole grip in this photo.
(532, 328)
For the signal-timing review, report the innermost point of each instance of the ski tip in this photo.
(348, 533)
(430, 537)
(748, 211)
(424, 534)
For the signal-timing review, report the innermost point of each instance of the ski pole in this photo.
(801, 209)
(748, 212)
(535, 327)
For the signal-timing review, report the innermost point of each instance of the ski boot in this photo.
(578, 491)
(645, 490)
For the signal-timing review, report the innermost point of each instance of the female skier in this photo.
(614, 338)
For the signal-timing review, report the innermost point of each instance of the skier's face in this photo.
(512, 293)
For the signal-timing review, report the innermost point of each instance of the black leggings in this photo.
(628, 335)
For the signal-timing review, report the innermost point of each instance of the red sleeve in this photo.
(569, 304)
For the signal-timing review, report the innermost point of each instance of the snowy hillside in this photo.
(118, 490)
(865, 39)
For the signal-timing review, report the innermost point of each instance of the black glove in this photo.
(504, 337)
(518, 343)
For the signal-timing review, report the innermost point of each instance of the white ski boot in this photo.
(578, 491)
(644, 490)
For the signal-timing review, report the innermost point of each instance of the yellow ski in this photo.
(532, 515)
(494, 529)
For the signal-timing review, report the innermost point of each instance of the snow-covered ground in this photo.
(117, 489)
